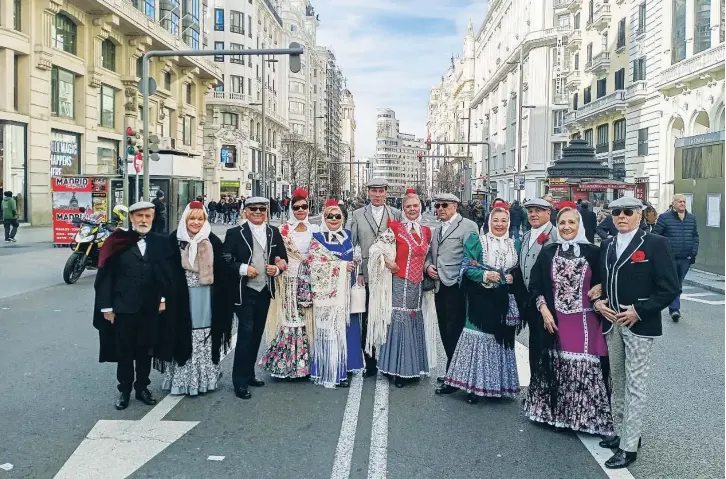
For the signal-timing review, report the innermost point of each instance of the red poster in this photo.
(69, 195)
(641, 191)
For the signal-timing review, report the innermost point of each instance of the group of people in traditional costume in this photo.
(377, 297)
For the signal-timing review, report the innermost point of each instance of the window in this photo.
(220, 85)
(642, 142)
(16, 80)
(219, 19)
(641, 19)
(139, 66)
(678, 31)
(297, 107)
(219, 46)
(249, 59)
(298, 129)
(237, 22)
(574, 101)
(249, 86)
(603, 138)
(167, 80)
(106, 106)
(17, 9)
(590, 11)
(619, 135)
(166, 123)
(61, 92)
(146, 6)
(236, 58)
(170, 16)
(621, 34)
(588, 136)
(230, 119)
(64, 34)
(238, 84)
(602, 87)
(587, 95)
(188, 91)
(108, 55)
(639, 69)
(589, 53)
(249, 25)
(558, 118)
(620, 79)
(577, 61)
(188, 126)
(702, 33)
(576, 21)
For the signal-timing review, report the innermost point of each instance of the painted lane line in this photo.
(521, 352)
(377, 460)
(691, 297)
(346, 440)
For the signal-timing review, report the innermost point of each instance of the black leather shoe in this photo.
(344, 384)
(242, 393)
(123, 401)
(399, 382)
(621, 459)
(445, 389)
(440, 379)
(145, 397)
(472, 398)
(614, 442)
(371, 371)
(256, 383)
(676, 316)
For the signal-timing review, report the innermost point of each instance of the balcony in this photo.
(227, 98)
(602, 148)
(560, 99)
(599, 65)
(574, 41)
(697, 67)
(573, 80)
(561, 4)
(574, 5)
(619, 144)
(614, 102)
(601, 18)
(637, 92)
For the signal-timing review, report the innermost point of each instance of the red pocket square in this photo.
(637, 257)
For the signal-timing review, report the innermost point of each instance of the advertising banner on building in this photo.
(70, 194)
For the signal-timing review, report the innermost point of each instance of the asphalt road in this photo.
(54, 391)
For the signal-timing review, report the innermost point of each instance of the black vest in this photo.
(134, 287)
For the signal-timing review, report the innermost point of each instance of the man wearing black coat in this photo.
(589, 221)
(252, 249)
(159, 225)
(135, 305)
(639, 280)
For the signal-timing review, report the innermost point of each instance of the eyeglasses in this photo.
(618, 211)
(255, 209)
(441, 205)
(299, 207)
(334, 217)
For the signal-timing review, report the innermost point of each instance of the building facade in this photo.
(70, 86)
(397, 153)
(347, 127)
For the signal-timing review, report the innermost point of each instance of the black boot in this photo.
(399, 382)
(621, 459)
(123, 401)
(445, 389)
(145, 397)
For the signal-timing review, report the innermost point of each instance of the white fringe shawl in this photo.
(431, 327)
(380, 287)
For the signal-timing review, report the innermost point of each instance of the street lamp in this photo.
(315, 144)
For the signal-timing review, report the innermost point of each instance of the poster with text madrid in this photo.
(70, 194)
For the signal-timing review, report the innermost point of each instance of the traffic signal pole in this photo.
(467, 175)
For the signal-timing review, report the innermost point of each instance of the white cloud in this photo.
(387, 60)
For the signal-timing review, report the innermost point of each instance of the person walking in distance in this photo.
(252, 249)
(443, 263)
(679, 226)
(159, 225)
(639, 280)
(10, 217)
(135, 305)
(366, 225)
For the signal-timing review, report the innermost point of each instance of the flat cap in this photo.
(446, 197)
(626, 202)
(537, 203)
(256, 200)
(377, 183)
(141, 205)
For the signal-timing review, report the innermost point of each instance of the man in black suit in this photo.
(252, 249)
(589, 221)
(639, 281)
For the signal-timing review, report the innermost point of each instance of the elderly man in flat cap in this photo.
(365, 225)
(135, 307)
(639, 281)
(252, 249)
(443, 263)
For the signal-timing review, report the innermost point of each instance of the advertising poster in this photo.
(69, 195)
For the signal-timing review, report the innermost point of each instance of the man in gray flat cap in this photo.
(639, 280)
(443, 263)
(365, 225)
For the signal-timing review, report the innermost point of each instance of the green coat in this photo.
(10, 209)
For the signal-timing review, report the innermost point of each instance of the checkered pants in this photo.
(629, 365)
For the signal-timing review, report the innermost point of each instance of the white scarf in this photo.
(339, 234)
(415, 224)
(294, 222)
(182, 234)
(577, 241)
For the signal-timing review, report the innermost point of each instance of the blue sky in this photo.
(392, 52)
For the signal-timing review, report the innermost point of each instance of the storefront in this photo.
(107, 153)
(579, 175)
(65, 153)
(14, 164)
(229, 187)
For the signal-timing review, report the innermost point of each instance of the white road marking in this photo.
(346, 440)
(377, 460)
(692, 297)
(591, 442)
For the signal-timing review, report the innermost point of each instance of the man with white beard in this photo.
(134, 308)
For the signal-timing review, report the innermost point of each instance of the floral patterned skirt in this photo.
(199, 374)
(288, 355)
(582, 399)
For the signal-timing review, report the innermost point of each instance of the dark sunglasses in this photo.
(255, 209)
(299, 207)
(441, 205)
(617, 211)
(334, 217)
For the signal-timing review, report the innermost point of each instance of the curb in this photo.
(708, 287)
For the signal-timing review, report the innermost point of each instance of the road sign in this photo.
(138, 162)
(152, 86)
(518, 182)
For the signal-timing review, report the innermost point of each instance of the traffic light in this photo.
(295, 64)
(120, 163)
(428, 143)
(133, 139)
(420, 157)
(154, 147)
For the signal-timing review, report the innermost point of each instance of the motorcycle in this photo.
(86, 245)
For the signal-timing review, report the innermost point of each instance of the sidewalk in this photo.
(702, 279)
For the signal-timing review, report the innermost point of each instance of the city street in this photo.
(58, 418)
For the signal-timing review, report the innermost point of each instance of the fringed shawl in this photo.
(380, 288)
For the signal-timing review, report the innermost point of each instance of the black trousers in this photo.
(130, 349)
(451, 310)
(371, 362)
(11, 228)
(251, 318)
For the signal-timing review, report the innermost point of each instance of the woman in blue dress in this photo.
(337, 344)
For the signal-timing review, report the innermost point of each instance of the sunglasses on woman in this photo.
(334, 217)
(299, 207)
(255, 209)
(617, 211)
(441, 205)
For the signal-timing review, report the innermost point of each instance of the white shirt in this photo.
(377, 213)
(445, 225)
(535, 232)
(259, 232)
(622, 241)
(142, 246)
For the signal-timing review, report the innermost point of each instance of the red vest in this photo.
(411, 251)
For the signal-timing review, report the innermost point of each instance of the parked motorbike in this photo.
(86, 245)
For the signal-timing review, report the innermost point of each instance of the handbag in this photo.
(357, 296)
(428, 284)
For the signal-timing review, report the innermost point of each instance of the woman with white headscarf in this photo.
(483, 363)
(568, 391)
(203, 300)
(290, 317)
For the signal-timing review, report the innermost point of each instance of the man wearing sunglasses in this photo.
(639, 280)
(251, 249)
(365, 225)
(443, 263)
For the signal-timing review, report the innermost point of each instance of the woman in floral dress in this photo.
(337, 349)
(290, 317)
(569, 390)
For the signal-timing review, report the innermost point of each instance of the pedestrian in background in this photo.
(679, 226)
(10, 217)
(589, 221)
(553, 211)
(159, 225)
(516, 216)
